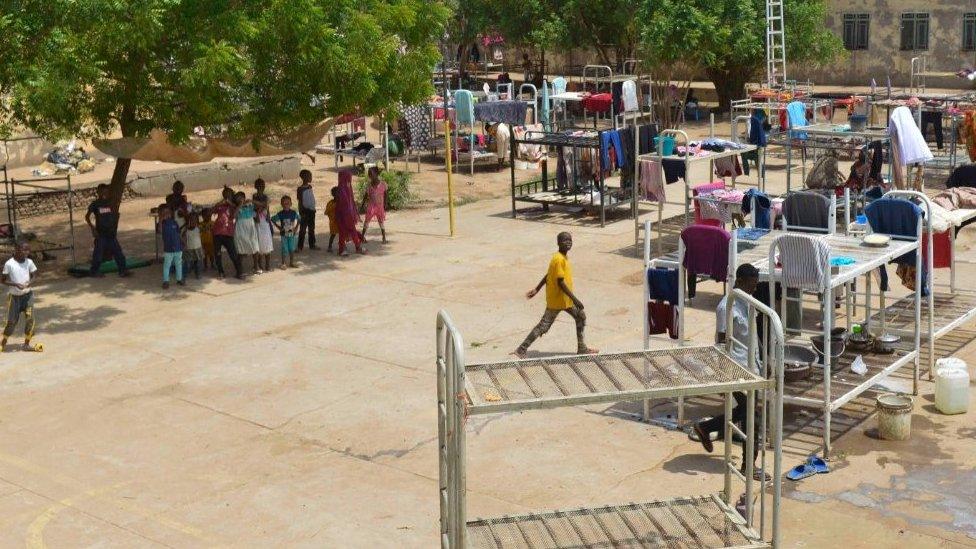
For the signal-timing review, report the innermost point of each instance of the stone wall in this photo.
(884, 56)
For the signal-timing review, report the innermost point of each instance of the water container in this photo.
(895, 416)
(666, 144)
(953, 362)
(952, 389)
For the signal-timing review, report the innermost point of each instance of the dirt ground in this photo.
(297, 408)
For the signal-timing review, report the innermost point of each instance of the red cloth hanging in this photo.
(941, 249)
(598, 102)
(662, 317)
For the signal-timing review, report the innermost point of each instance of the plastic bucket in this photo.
(858, 122)
(895, 416)
(666, 144)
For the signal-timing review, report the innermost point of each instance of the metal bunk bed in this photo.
(949, 306)
(827, 392)
(545, 191)
(920, 70)
(744, 107)
(699, 521)
(838, 137)
(689, 161)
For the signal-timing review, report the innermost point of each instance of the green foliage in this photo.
(254, 69)
(398, 183)
(726, 39)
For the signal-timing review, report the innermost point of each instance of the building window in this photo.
(969, 32)
(914, 31)
(856, 30)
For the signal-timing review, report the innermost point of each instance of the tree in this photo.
(726, 39)
(533, 24)
(251, 70)
(609, 27)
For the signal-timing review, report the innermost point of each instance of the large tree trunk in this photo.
(729, 85)
(117, 186)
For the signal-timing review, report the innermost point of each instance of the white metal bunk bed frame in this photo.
(920, 71)
(689, 161)
(845, 280)
(458, 398)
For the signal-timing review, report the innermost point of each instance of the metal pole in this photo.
(71, 218)
(447, 148)
(727, 493)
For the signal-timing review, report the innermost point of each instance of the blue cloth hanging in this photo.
(897, 217)
(662, 285)
(763, 204)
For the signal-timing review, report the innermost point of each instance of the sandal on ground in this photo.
(34, 347)
(818, 464)
(801, 472)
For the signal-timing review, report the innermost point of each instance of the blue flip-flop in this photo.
(801, 472)
(818, 464)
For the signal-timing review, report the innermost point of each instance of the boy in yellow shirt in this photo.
(559, 297)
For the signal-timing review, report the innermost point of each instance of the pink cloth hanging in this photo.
(701, 219)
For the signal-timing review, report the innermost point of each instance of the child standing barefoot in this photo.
(287, 221)
(193, 254)
(265, 235)
(206, 238)
(374, 201)
(18, 274)
(330, 212)
(246, 232)
(172, 245)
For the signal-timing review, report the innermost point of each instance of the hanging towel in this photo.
(651, 181)
(464, 105)
(762, 215)
(662, 317)
(796, 113)
(630, 96)
(418, 125)
(757, 134)
(896, 217)
(807, 209)
(706, 251)
(662, 285)
(912, 147)
(728, 167)
(674, 170)
(646, 134)
(805, 261)
(941, 250)
(544, 109)
(509, 112)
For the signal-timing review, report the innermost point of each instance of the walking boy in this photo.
(105, 230)
(558, 282)
(306, 209)
(18, 274)
(172, 246)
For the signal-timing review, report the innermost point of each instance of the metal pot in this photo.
(837, 348)
(797, 362)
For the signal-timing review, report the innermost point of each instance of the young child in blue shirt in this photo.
(287, 222)
(169, 229)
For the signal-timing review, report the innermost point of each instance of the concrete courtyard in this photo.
(297, 408)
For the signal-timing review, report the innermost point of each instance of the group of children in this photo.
(193, 238)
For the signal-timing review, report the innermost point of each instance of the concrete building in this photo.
(882, 36)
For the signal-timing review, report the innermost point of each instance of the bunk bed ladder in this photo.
(775, 44)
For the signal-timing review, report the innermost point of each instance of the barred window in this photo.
(856, 27)
(914, 31)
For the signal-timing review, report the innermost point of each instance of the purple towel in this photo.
(706, 251)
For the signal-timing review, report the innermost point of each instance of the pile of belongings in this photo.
(67, 158)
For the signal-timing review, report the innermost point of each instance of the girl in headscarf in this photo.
(347, 216)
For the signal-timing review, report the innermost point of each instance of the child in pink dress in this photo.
(374, 201)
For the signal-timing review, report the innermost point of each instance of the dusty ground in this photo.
(298, 408)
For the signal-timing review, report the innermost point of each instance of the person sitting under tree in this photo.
(558, 282)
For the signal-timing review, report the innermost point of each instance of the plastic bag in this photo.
(858, 366)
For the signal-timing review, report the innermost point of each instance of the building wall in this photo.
(884, 56)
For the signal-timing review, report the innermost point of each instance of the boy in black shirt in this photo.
(104, 229)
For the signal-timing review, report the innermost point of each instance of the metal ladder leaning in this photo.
(775, 44)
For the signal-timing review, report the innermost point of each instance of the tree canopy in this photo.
(726, 39)
(248, 70)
